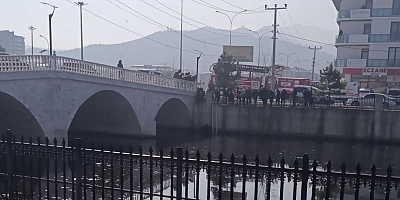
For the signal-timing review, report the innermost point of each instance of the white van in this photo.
(151, 71)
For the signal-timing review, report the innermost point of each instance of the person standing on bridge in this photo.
(120, 65)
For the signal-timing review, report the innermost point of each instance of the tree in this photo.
(225, 70)
(330, 78)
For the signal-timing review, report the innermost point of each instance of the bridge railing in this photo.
(57, 63)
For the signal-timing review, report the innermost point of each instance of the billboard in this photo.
(240, 53)
(372, 71)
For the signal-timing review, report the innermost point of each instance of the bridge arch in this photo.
(17, 117)
(173, 114)
(105, 112)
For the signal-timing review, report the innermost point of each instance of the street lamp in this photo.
(287, 57)
(50, 35)
(259, 44)
(80, 4)
(231, 20)
(31, 28)
(42, 51)
(197, 68)
(47, 43)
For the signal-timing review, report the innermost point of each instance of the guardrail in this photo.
(50, 171)
(57, 63)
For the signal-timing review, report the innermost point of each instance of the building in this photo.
(368, 44)
(13, 44)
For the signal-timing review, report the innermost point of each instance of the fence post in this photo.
(78, 167)
(304, 177)
(179, 156)
(10, 166)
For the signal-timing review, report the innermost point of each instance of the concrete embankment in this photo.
(347, 124)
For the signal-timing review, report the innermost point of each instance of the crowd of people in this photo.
(185, 76)
(249, 96)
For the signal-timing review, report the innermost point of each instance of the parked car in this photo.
(365, 91)
(369, 101)
(318, 96)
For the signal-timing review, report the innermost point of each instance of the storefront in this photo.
(378, 79)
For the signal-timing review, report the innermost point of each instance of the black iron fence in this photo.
(54, 171)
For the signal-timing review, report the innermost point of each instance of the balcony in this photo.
(352, 39)
(360, 63)
(376, 38)
(363, 39)
(367, 13)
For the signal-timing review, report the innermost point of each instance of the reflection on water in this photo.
(337, 152)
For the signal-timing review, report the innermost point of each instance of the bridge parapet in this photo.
(64, 64)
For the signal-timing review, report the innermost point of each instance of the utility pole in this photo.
(31, 28)
(80, 4)
(313, 62)
(276, 8)
(180, 65)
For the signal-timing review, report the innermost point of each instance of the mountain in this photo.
(146, 51)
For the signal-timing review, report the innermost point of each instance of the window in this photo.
(369, 96)
(395, 32)
(396, 7)
(367, 29)
(364, 53)
(368, 4)
(393, 56)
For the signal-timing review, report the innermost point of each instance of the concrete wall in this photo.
(349, 124)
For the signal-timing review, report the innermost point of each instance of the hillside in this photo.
(144, 51)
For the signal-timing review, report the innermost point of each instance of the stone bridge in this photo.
(51, 96)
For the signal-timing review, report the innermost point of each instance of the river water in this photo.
(336, 151)
(367, 154)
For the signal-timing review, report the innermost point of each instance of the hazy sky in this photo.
(17, 15)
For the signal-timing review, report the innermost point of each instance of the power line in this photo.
(284, 23)
(328, 44)
(174, 16)
(250, 10)
(290, 17)
(243, 35)
(205, 42)
(208, 5)
(153, 40)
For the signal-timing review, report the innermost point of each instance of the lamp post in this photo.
(48, 45)
(173, 62)
(231, 21)
(50, 35)
(31, 28)
(197, 68)
(80, 4)
(259, 44)
(287, 57)
(181, 45)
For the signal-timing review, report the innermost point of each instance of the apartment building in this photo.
(368, 43)
(13, 44)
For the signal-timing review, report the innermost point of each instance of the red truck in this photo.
(288, 83)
